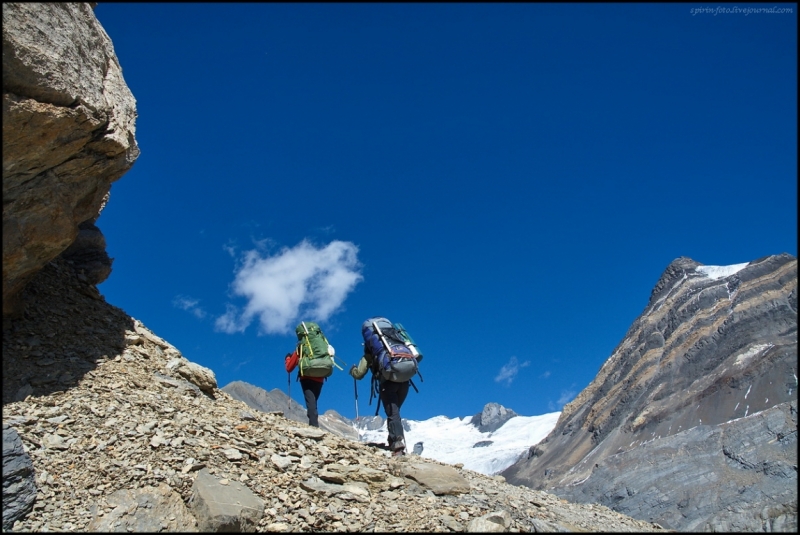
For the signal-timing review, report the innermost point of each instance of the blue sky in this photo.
(508, 181)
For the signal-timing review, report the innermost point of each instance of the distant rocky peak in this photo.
(492, 417)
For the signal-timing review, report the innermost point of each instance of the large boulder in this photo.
(439, 479)
(494, 522)
(142, 510)
(19, 488)
(223, 505)
(198, 375)
(68, 133)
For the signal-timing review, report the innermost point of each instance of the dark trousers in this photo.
(311, 391)
(393, 395)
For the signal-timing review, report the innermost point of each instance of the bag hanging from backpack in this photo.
(314, 351)
(395, 354)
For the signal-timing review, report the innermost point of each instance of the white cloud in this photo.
(510, 370)
(545, 375)
(304, 280)
(190, 305)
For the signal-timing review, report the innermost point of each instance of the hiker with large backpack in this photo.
(392, 357)
(314, 357)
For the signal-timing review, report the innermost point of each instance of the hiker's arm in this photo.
(291, 361)
(360, 371)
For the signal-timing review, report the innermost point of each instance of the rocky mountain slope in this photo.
(692, 421)
(275, 401)
(110, 421)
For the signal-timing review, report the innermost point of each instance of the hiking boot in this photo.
(398, 453)
(399, 444)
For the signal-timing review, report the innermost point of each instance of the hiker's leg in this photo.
(311, 392)
(402, 392)
(389, 396)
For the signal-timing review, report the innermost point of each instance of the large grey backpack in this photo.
(395, 355)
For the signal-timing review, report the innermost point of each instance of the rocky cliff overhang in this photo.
(68, 133)
(712, 351)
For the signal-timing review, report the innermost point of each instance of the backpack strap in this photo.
(310, 352)
(412, 384)
(375, 389)
(371, 387)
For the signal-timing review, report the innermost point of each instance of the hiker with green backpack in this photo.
(314, 357)
(393, 358)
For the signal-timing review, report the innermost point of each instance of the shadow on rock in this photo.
(66, 329)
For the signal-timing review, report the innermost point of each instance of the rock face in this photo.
(692, 421)
(118, 440)
(68, 133)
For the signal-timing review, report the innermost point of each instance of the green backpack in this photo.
(316, 354)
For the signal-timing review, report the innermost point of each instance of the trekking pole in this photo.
(355, 388)
(289, 388)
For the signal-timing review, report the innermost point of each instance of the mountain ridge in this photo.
(712, 348)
